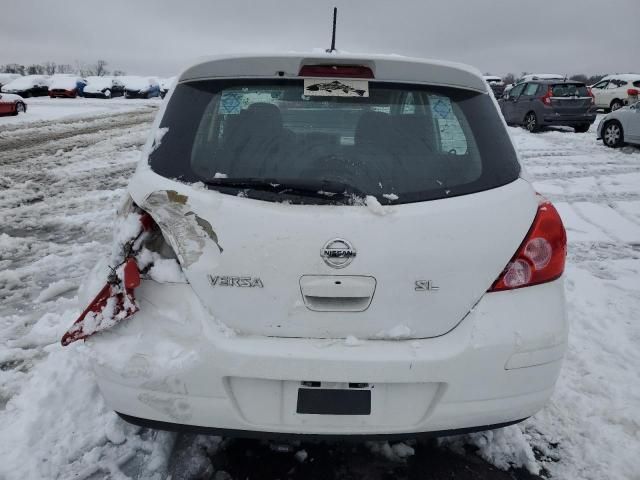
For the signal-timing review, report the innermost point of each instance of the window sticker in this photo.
(327, 87)
(230, 103)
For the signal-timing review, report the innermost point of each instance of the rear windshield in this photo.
(401, 143)
(569, 90)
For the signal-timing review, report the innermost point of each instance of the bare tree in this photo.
(49, 67)
(119, 73)
(35, 69)
(509, 78)
(579, 77)
(100, 68)
(65, 68)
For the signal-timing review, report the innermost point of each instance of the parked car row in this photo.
(70, 86)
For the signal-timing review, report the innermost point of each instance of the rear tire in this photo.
(531, 122)
(616, 104)
(612, 134)
(20, 108)
(584, 128)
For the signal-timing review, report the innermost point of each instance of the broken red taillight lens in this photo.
(546, 98)
(336, 71)
(119, 289)
(541, 256)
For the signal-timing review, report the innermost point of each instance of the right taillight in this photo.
(633, 92)
(546, 99)
(541, 255)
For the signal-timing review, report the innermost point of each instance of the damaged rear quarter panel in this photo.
(186, 232)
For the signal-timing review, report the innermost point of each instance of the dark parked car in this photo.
(497, 85)
(28, 86)
(103, 87)
(141, 87)
(540, 103)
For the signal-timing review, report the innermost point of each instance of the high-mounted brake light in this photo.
(336, 71)
(633, 92)
(546, 99)
(541, 256)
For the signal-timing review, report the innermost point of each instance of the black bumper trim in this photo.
(225, 432)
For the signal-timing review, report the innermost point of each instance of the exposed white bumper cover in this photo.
(172, 363)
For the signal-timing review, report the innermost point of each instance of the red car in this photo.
(66, 87)
(12, 104)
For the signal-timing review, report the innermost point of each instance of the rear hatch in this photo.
(570, 99)
(386, 214)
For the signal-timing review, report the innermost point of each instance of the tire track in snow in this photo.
(53, 206)
(19, 148)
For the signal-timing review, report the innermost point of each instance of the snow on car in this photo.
(534, 76)
(28, 86)
(8, 77)
(301, 218)
(140, 87)
(12, 104)
(67, 86)
(103, 87)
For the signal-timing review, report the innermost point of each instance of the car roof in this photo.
(623, 76)
(387, 68)
(547, 81)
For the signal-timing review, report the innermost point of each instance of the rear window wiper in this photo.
(303, 187)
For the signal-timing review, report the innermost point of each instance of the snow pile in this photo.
(505, 448)
(352, 341)
(57, 426)
(55, 289)
(374, 205)
(397, 452)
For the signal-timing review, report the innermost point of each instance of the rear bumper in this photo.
(568, 120)
(499, 365)
(63, 93)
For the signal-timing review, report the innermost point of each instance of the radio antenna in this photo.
(333, 35)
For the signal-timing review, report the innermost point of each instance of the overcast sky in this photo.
(160, 36)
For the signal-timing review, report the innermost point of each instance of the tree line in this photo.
(98, 69)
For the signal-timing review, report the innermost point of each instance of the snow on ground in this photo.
(57, 201)
(45, 108)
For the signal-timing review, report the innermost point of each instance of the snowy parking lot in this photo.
(63, 169)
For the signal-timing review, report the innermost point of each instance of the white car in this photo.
(621, 126)
(329, 244)
(616, 91)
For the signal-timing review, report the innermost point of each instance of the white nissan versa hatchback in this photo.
(329, 245)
